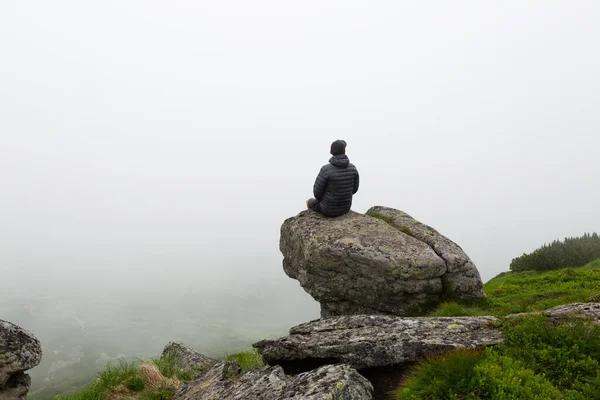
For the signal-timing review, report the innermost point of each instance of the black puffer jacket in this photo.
(335, 185)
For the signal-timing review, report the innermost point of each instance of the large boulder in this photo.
(223, 381)
(19, 351)
(363, 264)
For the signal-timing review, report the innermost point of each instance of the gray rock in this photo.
(586, 310)
(19, 351)
(462, 274)
(17, 387)
(365, 341)
(222, 382)
(187, 358)
(568, 311)
(358, 264)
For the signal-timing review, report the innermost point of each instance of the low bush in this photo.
(537, 361)
(446, 376)
(136, 383)
(568, 355)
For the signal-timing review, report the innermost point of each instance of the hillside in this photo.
(540, 359)
(529, 291)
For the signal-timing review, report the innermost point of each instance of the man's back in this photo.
(335, 185)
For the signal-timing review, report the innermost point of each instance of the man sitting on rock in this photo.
(335, 184)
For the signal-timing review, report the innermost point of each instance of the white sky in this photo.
(172, 137)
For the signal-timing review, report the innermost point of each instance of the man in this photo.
(335, 184)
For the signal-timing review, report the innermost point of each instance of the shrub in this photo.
(501, 377)
(537, 361)
(445, 376)
(567, 355)
(136, 384)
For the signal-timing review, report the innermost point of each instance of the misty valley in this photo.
(80, 334)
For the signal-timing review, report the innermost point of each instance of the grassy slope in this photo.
(514, 292)
(538, 360)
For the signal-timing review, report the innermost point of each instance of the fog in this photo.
(150, 150)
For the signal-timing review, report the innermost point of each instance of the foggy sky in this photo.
(172, 138)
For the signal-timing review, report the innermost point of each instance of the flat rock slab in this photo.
(365, 341)
(19, 351)
(223, 382)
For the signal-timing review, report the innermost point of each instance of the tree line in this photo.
(572, 252)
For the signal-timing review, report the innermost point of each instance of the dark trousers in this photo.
(314, 205)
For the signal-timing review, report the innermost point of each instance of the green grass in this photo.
(167, 365)
(127, 374)
(537, 361)
(136, 383)
(515, 292)
(109, 378)
(247, 360)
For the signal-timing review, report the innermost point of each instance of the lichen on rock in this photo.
(366, 341)
(223, 381)
(360, 264)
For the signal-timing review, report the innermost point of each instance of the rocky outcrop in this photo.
(360, 264)
(223, 381)
(461, 273)
(186, 358)
(363, 341)
(382, 348)
(19, 351)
